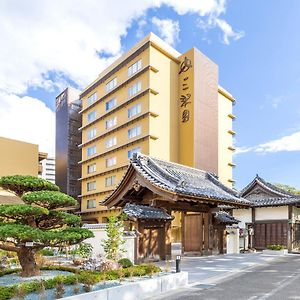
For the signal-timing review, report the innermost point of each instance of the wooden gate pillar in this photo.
(168, 240)
(290, 228)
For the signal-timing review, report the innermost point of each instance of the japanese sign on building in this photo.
(185, 89)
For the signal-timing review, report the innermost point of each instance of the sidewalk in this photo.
(210, 269)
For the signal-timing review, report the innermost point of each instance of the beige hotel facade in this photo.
(157, 101)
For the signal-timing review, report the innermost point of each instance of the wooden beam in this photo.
(182, 231)
(206, 233)
(290, 228)
(181, 206)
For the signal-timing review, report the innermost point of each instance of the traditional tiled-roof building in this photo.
(152, 188)
(274, 216)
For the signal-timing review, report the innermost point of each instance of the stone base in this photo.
(138, 290)
(275, 252)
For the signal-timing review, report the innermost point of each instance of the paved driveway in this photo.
(207, 269)
(278, 279)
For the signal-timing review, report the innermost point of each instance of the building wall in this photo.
(68, 138)
(48, 169)
(271, 213)
(225, 134)
(163, 135)
(243, 215)
(296, 213)
(18, 158)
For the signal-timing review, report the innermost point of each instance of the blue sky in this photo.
(255, 43)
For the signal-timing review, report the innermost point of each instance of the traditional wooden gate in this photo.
(196, 233)
(193, 233)
(152, 240)
(270, 233)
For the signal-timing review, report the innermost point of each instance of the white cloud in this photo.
(168, 29)
(27, 119)
(228, 31)
(44, 42)
(287, 143)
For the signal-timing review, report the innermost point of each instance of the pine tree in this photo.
(39, 222)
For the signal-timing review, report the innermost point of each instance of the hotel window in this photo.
(134, 110)
(91, 203)
(91, 116)
(111, 84)
(91, 150)
(135, 131)
(109, 181)
(111, 122)
(91, 186)
(111, 161)
(92, 133)
(91, 99)
(110, 104)
(91, 168)
(111, 142)
(132, 151)
(135, 67)
(134, 89)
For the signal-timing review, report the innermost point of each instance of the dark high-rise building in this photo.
(68, 121)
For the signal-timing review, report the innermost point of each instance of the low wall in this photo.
(143, 289)
(99, 231)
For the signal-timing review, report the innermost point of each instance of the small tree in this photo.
(38, 223)
(113, 244)
(288, 188)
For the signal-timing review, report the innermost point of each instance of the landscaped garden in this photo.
(43, 253)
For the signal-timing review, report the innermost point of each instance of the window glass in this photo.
(135, 67)
(111, 122)
(91, 185)
(109, 181)
(91, 150)
(92, 98)
(132, 151)
(92, 133)
(111, 142)
(135, 131)
(91, 168)
(134, 89)
(110, 104)
(111, 161)
(91, 203)
(134, 110)
(91, 116)
(111, 84)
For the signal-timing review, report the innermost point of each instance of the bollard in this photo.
(178, 258)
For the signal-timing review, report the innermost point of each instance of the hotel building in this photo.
(18, 158)
(157, 101)
(68, 138)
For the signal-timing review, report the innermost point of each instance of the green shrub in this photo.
(87, 278)
(47, 252)
(7, 292)
(275, 247)
(125, 263)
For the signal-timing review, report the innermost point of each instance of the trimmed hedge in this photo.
(125, 263)
(275, 247)
(84, 277)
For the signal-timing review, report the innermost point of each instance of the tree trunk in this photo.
(27, 262)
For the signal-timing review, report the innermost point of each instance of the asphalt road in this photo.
(278, 279)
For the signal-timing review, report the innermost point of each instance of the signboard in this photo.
(185, 92)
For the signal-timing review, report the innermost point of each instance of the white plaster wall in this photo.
(296, 214)
(232, 240)
(243, 215)
(271, 213)
(100, 236)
